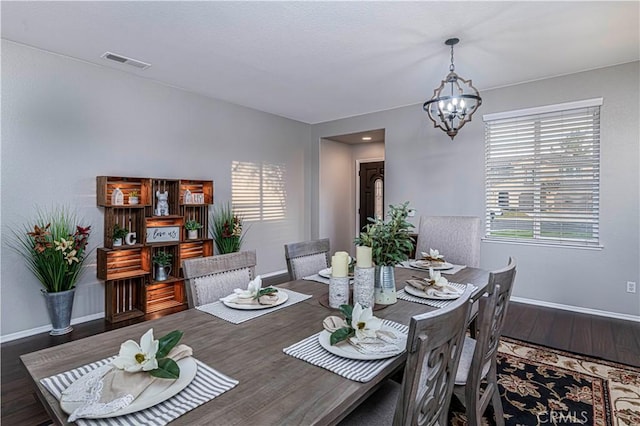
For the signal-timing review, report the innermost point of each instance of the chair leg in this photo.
(496, 402)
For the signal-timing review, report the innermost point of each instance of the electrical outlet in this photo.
(631, 287)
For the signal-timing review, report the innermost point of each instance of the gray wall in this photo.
(338, 190)
(443, 177)
(64, 122)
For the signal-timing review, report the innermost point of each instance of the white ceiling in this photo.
(320, 61)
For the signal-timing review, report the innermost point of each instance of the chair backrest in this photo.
(434, 346)
(491, 314)
(307, 257)
(210, 278)
(456, 237)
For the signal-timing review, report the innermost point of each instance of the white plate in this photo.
(425, 264)
(282, 297)
(419, 293)
(326, 273)
(345, 350)
(160, 390)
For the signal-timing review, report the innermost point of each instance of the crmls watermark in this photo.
(562, 417)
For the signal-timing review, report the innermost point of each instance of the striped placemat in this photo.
(207, 384)
(237, 316)
(311, 351)
(401, 294)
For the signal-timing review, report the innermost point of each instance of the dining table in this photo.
(273, 388)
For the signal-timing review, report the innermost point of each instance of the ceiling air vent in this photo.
(124, 60)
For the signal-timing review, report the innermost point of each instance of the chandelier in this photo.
(454, 101)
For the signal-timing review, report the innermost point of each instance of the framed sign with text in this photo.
(163, 234)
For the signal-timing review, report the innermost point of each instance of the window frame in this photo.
(544, 209)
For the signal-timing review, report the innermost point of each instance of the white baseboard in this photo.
(271, 274)
(45, 328)
(579, 309)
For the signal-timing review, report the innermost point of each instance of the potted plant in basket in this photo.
(133, 197)
(54, 246)
(192, 227)
(227, 229)
(390, 244)
(118, 234)
(162, 260)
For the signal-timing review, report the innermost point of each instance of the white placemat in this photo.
(317, 278)
(454, 270)
(401, 294)
(207, 385)
(310, 350)
(237, 316)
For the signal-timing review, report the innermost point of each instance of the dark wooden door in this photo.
(370, 173)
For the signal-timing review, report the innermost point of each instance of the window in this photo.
(542, 171)
(258, 190)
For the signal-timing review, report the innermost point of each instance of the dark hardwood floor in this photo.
(600, 337)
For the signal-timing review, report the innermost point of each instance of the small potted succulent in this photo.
(192, 227)
(118, 234)
(162, 260)
(134, 197)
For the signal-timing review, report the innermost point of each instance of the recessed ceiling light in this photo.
(366, 138)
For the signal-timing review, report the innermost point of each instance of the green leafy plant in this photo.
(227, 229)
(162, 258)
(119, 232)
(54, 246)
(390, 241)
(133, 193)
(192, 225)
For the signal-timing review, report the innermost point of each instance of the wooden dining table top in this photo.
(274, 388)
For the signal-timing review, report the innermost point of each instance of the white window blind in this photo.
(258, 190)
(542, 171)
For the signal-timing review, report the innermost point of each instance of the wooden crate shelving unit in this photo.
(130, 287)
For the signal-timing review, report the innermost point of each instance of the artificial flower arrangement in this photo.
(150, 355)
(227, 229)
(358, 322)
(55, 248)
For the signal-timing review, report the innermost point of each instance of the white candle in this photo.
(363, 257)
(339, 265)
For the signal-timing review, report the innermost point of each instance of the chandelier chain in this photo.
(452, 67)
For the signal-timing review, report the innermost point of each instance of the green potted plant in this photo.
(227, 229)
(134, 197)
(54, 246)
(162, 260)
(192, 227)
(118, 234)
(390, 243)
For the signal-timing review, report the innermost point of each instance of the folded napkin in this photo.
(386, 341)
(108, 389)
(433, 256)
(437, 285)
(248, 296)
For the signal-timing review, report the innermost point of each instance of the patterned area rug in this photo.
(540, 386)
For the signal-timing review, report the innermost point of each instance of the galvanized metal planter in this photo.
(59, 305)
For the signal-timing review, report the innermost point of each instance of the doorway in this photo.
(371, 184)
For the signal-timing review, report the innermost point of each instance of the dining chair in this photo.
(210, 278)
(479, 356)
(307, 257)
(434, 346)
(455, 237)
